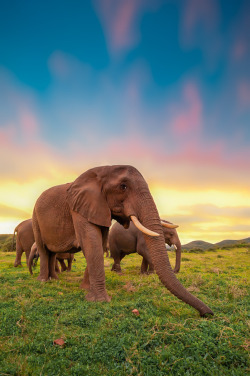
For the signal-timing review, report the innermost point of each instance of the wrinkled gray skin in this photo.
(123, 241)
(78, 215)
(60, 257)
(24, 240)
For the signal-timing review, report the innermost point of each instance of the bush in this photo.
(6, 243)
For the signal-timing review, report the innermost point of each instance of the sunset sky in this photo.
(160, 85)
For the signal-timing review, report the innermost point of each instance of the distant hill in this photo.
(203, 246)
(197, 244)
(226, 243)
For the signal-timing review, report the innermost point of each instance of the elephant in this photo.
(78, 215)
(122, 242)
(60, 257)
(24, 240)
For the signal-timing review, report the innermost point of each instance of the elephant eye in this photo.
(123, 187)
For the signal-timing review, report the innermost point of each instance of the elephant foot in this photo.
(116, 269)
(42, 279)
(84, 285)
(53, 278)
(18, 264)
(150, 272)
(97, 297)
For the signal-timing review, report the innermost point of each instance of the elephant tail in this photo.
(33, 255)
(13, 239)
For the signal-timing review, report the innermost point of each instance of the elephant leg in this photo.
(70, 263)
(57, 267)
(19, 252)
(85, 284)
(118, 256)
(116, 267)
(151, 268)
(105, 233)
(90, 239)
(44, 264)
(52, 265)
(42, 251)
(144, 266)
(27, 256)
(63, 265)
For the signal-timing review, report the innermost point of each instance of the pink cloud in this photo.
(120, 21)
(239, 50)
(29, 122)
(59, 65)
(244, 94)
(189, 118)
(122, 35)
(198, 13)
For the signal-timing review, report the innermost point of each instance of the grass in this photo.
(167, 338)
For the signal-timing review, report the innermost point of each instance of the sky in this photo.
(160, 85)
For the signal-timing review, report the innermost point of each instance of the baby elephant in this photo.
(61, 257)
(123, 241)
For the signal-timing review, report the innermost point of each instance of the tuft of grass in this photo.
(167, 337)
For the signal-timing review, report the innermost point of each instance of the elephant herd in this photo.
(25, 243)
(76, 216)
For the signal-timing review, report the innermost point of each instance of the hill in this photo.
(197, 244)
(200, 245)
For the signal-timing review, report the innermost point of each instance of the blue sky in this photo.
(162, 85)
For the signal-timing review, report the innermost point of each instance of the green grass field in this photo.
(167, 338)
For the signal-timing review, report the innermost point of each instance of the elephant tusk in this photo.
(168, 225)
(175, 247)
(143, 229)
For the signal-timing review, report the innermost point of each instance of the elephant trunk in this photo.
(149, 217)
(31, 257)
(178, 257)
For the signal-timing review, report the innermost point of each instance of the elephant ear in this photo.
(85, 197)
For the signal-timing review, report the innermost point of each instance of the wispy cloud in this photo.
(10, 212)
(188, 119)
(120, 20)
(244, 94)
(198, 15)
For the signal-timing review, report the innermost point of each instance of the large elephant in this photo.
(78, 216)
(24, 240)
(123, 241)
